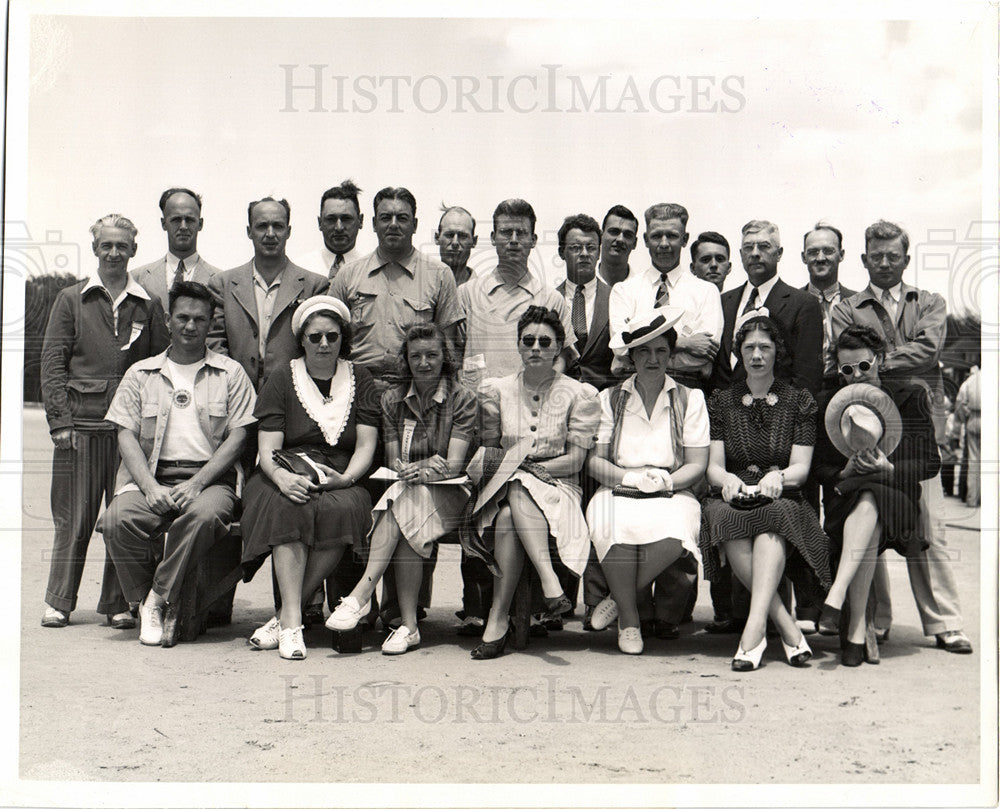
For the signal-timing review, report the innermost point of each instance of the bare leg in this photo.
(510, 557)
(319, 565)
(858, 529)
(533, 531)
(289, 561)
(385, 539)
(409, 567)
(619, 566)
(760, 568)
(857, 592)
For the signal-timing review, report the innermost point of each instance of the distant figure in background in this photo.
(97, 328)
(181, 209)
(968, 411)
(456, 237)
(710, 258)
(619, 237)
(340, 220)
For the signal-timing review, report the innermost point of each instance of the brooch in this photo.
(771, 399)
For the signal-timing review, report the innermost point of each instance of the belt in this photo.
(181, 464)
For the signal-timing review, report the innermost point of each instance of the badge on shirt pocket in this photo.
(136, 331)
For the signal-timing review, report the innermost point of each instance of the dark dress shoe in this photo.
(729, 626)
(487, 650)
(954, 641)
(665, 630)
(556, 606)
(853, 654)
(829, 621)
(647, 627)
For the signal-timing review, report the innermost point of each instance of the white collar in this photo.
(329, 413)
(763, 290)
(189, 263)
(131, 288)
(895, 291)
(635, 400)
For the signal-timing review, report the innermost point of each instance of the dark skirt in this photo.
(789, 516)
(336, 517)
(898, 513)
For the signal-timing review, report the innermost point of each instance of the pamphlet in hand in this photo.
(384, 473)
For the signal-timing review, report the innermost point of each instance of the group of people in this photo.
(622, 429)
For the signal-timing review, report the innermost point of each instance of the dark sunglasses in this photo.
(848, 370)
(528, 341)
(316, 336)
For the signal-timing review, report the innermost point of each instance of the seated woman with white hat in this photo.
(652, 448)
(871, 501)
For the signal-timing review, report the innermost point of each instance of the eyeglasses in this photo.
(316, 336)
(528, 341)
(848, 370)
(577, 249)
(878, 258)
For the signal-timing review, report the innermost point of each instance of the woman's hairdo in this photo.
(345, 330)
(426, 331)
(547, 317)
(771, 329)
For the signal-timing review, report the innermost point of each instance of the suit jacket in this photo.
(153, 278)
(800, 318)
(235, 329)
(594, 363)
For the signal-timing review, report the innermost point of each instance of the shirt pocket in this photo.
(218, 419)
(147, 426)
(362, 306)
(413, 311)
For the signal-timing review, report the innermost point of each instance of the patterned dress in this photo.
(759, 437)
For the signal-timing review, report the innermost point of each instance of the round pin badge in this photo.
(182, 398)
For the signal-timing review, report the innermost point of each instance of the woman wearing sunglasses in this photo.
(871, 502)
(428, 421)
(550, 420)
(325, 407)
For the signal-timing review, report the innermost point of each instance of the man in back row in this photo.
(181, 219)
(340, 220)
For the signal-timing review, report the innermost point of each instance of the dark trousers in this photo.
(81, 479)
(477, 588)
(149, 557)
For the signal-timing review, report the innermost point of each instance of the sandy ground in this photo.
(96, 705)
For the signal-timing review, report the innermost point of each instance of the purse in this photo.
(749, 502)
(638, 494)
(298, 462)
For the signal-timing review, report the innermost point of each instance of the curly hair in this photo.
(861, 337)
(426, 331)
(543, 316)
(772, 330)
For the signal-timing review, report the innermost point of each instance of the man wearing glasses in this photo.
(912, 322)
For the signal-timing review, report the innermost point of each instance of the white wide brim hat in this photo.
(646, 326)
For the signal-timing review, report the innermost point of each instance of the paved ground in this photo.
(96, 705)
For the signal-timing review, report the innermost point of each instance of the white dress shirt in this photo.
(589, 297)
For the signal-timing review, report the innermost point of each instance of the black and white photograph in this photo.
(513, 404)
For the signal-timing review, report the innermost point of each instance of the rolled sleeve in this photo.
(242, 400)
(606, 427)
(126, 406)
(696, 430)
(584, 417)
(463, 425)
(489, 414)
(448, 311)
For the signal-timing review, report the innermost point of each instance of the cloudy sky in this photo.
(847, 120)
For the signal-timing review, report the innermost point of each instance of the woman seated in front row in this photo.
(871, 493)
(324, 406)
(428, 424)
(762, 435)
(552, 420)
(652, 447)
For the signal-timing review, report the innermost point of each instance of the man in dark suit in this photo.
(255, 302)
(181, 219)
(586, 297)
(822, 252)
(797, 313)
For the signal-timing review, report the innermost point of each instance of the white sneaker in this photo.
(291, 646)
(604, 614)
(630, 640)
(400, 641)
(266, 637)
(151, 623)
(347, 614)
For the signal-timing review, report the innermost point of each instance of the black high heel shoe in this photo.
(853, 655)
(829, 621)
(489, 649)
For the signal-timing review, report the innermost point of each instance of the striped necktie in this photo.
(179, 273)
(578, 316)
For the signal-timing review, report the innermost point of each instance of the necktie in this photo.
(662, 292)
(889, 304)
(752, 301)
(338, 262)
(578, 316)
(179, 274)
